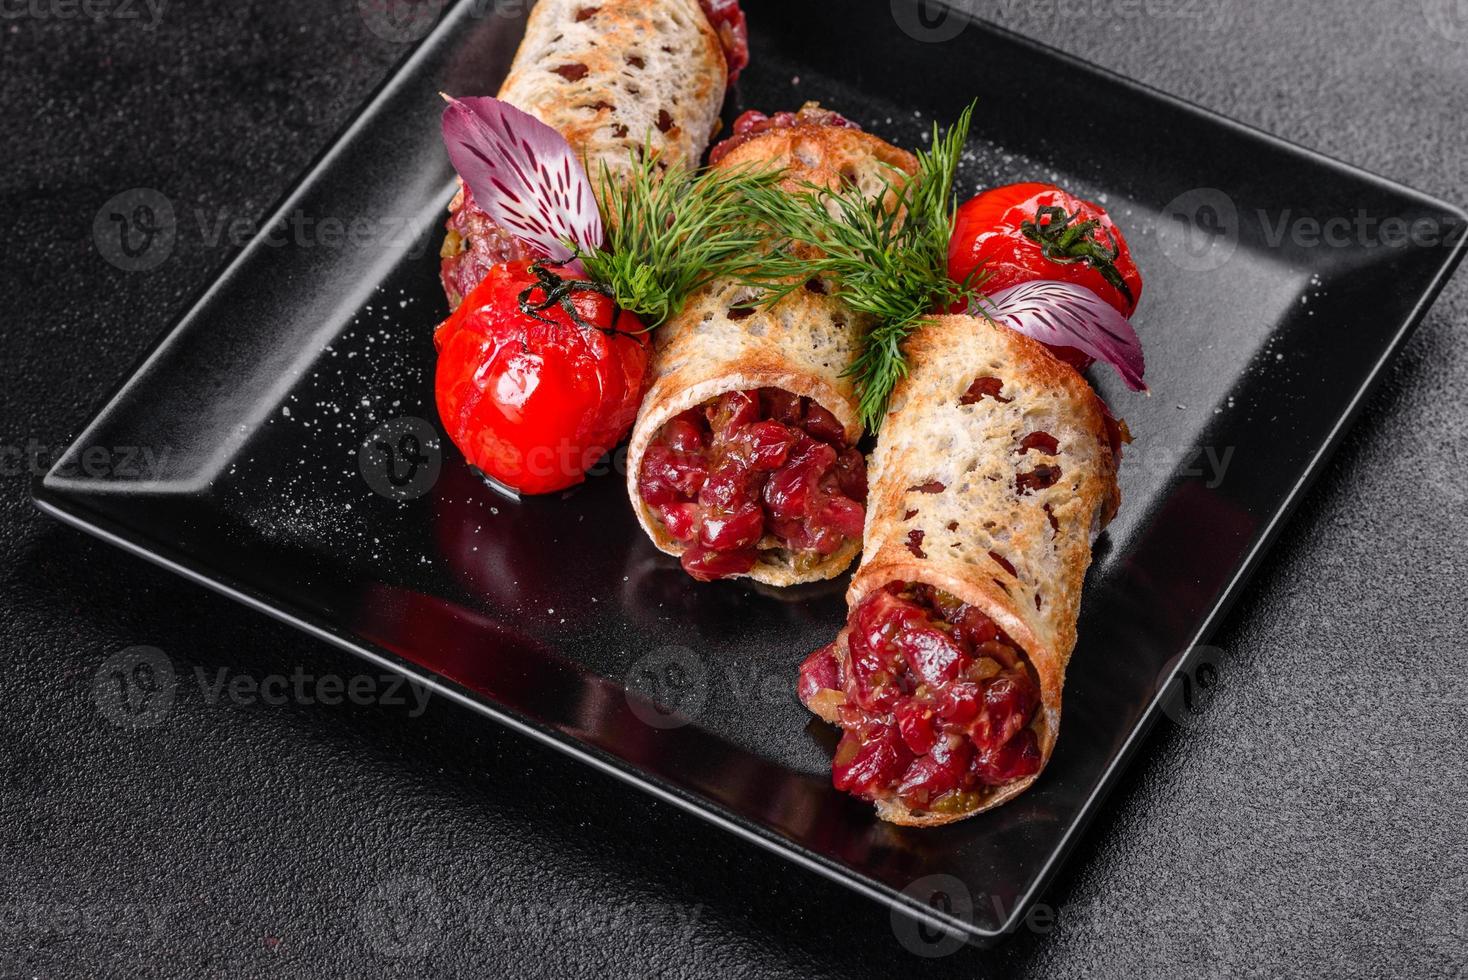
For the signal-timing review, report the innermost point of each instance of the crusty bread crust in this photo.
(803, 344)
(973, 450)
(654, 75)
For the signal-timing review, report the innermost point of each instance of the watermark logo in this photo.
(1207, 464)
(95, 11)
(137, 688)
(403, 918)
(1448, 18)
(401, 458)
(139, 229)
(409, 917)
(400, 21)
(1191, 692)
(31, 920)
(949, 895)
(134, 688)
(676, 681)
(673, 686)
(1199, 229)
(944, 893)
(929, 21)
(120, 463)
(136, 230)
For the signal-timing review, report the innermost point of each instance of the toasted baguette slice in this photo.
(803, 344)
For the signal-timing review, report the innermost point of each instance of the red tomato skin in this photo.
(533, 404)
(986, 232)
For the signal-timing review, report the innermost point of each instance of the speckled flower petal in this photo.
(523, 174)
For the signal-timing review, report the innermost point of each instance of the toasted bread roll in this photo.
(614, 77)
(994, 471)
(721, 342)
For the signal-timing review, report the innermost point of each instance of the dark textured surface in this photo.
(1312, 818)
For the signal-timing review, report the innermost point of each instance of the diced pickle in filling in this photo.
(934, 700)
(751, 471)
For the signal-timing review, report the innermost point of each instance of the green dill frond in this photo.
(671, 230)
(887, 254)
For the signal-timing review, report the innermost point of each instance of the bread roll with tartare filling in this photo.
(802, 344)
(955, 504)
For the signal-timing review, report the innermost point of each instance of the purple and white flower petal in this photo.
(1063, 314)
(523, 174)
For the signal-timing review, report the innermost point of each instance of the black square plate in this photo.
(1278, 285)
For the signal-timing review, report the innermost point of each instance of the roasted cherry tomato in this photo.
(539, 374)
(1025, 232)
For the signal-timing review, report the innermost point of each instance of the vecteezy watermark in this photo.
(931, 21)
(544, 919)
(408, 917)
(1201, 229)
(136, 230)
(134, 688)
(673, 686)
(137, 688)
(301, 229)
(36, 919)
(1192, 682)
(1192, 679)
(936, 21)
(1361, 229)
(1207, 463)
(307, 689)
(675, 682)
(96, 11)
(401, 458)
(35, 458)
(402, 918)
(1208, 15)
(400, 21)
(949, 895)
(564, 458)
(139, 229)
(1448, 18)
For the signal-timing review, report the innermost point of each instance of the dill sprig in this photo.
(887, 254)
(671, 230)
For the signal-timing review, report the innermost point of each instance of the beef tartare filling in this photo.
(754, 471)
(727, 20)
(474, 244)
(935, 701)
